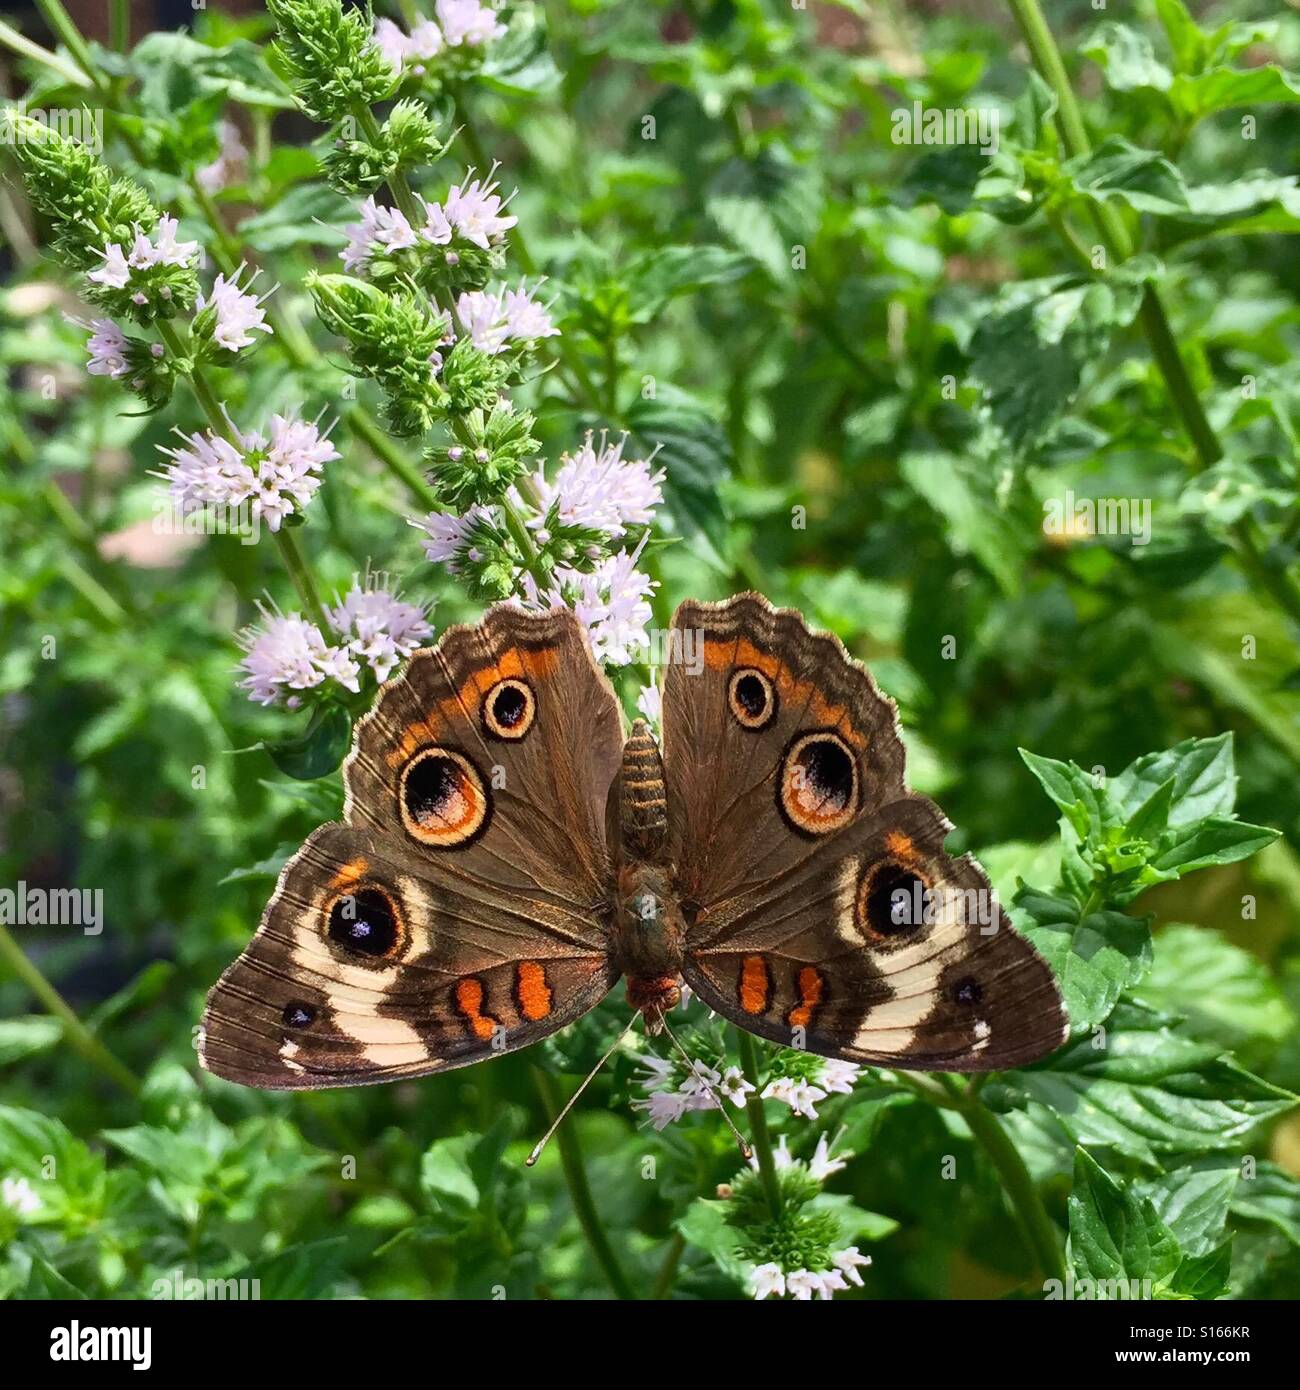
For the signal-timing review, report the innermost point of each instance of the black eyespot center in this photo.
(752, 698)
(365, 923)
(509, 706)
(430, 785)
(967, 991)
(828, 770)
(298, 1015)
(892, 900)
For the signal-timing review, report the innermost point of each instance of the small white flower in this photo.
(849, 1261)
(239, 313)
(289, 653)
(467, 22)
(526, 319)
(662, 1107)
(598, 488)
(650, 703)
(802, 1284)
(115, 272)
(475, 210)
(765, 1280)
(378, 627)
(447, 536)
(798, 1094)
(107, 347)
(823, 1165)
(482, 320)
(380, 229)
(19, 1196)
(167, 250)
(612, 603)
(838, 1077)
(734, 1086)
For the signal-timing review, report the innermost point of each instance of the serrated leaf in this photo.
(319, 749)
(1271, 1197)
(1205, 780)
(1116, 1236)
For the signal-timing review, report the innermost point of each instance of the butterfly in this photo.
(506, 854)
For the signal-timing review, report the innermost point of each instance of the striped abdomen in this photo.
(643, 809)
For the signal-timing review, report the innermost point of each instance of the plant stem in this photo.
(1208, 448)
(397, 180)
(1036, 1226)
(758, 1124)
(76, 1032)
(60, 21)
(668, 1270)
(119, 25)
(575, 1177)
(19, 43)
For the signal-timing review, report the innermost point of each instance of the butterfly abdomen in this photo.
(643, 805)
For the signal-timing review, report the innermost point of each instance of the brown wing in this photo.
(793, 832)
(880, 948)
(371, 964)
(474, 846)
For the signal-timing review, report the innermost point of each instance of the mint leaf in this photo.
(1116, 1238)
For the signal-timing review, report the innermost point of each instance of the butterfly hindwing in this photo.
(371, 965)
(822, 909)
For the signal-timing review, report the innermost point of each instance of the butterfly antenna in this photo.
(568, 1104)
(745, 1151)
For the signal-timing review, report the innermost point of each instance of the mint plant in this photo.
(609, 306)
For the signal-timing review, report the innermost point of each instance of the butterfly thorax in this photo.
(649, 931)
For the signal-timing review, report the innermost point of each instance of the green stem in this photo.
(397, 180)
(76, 1032)
(1153, 318)
(668, 1270)
(119, 25)
(575, 1176)
(19, 43)
(60, 21)
(758, 1124)
(1036, 1226)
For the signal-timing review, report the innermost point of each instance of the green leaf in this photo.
(308, 215)
(669, 271)
(1225, 993)
(1204, 776)
(1143, 1089)
(26, 1036)
(446, 1178)
(1128, 58)
(1073, 790)
(1216, 840)
(1116, 1239)
(1271, 1197)
(1095, 958)
(1193, 1202)
(319, 749)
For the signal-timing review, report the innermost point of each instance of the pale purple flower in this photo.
(380, 229)
(238, 313)
(526, 319)
(482, 319)
(276, 477)
(447, 536)
(118, 265)
(475, 211)
(391, 41)
(824, 1164)
(600, 489)
(377, 626)
(403, 50)
(612, 603)
(167, 250)
(467, 22)
(289, 653)
(437, 229)
(230, 166)
(765, 1280)
(106, 345)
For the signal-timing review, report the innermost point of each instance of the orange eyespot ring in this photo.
(443, 800)
(509, 709)
(752, 698)
(892, 903)
(817, 788)
(365, 924)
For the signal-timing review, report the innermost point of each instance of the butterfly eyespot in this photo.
(817, 787)
(509, 709)
(443, 799)
(891, 902)
(967, 991)
(752, 698)
(298, 1015)
(366, 924)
